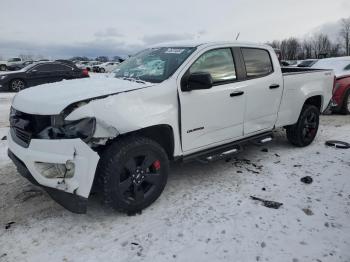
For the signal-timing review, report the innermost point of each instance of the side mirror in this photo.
(196, 81)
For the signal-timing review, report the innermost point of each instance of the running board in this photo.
(222, 155)
(227, 150)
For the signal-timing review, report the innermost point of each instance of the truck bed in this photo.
(301, 82)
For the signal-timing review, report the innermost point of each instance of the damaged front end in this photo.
(56, 154)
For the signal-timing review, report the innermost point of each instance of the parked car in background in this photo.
(91, 64)
(341, 90)
(19, 66)
(284, 63)
(177, 102)
(82, 64)
(293, 62)
(64, 61)
(105, 67)
(307, 63)
(88, 65)
(11, 62)
(39, 73)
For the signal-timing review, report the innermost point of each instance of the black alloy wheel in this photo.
(134, 172)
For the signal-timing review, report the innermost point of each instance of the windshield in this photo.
(154, 65)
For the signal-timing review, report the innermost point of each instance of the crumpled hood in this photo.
(51, 99)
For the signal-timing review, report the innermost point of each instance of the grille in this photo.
(23, 135)
(24, 126)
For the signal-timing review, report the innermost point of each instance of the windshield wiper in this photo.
(137, 80)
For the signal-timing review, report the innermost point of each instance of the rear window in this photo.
(257, 62)
(52, 67)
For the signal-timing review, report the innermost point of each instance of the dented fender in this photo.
(130, 111)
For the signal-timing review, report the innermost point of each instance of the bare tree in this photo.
(290, 48)
(335, 50)
(321, 45)
(26, 57)
(345, 34)
(307, 49)
(39, 57)
(275, 44)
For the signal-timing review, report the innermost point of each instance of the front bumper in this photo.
(72, 193)
(4, 86)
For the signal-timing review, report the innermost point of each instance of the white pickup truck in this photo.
(11, 62)
(168, 103)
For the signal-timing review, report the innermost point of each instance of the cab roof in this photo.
(194, 43)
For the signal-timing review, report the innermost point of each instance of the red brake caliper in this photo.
(156, 165)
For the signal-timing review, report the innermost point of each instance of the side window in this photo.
(58, 67)
(257, 62)
(52, 67)
(42, 68)
(347, 67)
(218, 63)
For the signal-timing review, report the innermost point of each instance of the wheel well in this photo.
(162, 134)
(347, 91)
(315, 101)
(18, 79)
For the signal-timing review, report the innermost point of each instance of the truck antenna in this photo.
(238, 35)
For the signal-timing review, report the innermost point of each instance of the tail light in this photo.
(85, 72)
(336, 85)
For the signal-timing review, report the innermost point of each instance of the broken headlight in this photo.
(82, 128)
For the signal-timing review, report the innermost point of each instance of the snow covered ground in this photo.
(204, 214)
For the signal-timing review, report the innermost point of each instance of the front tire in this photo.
(3, 67)
(133, 172)
(304, 131)
(102, 70)
(17, 85)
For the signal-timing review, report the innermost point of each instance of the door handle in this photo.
(273, 86)
(237, 93)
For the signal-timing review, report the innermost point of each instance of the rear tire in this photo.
(102, 70)
(345, 109)
(133, 172)
(304, 131)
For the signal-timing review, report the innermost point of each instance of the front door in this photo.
(212, 116)
(42, 74)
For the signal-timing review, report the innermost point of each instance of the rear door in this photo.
(63, 72)
(263, 92)
(212, 116)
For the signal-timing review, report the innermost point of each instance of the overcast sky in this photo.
(65, 28)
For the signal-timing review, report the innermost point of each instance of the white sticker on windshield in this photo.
(174, 51)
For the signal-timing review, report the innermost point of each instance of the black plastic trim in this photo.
(239, 62)
(225, 147)
(17, 140)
